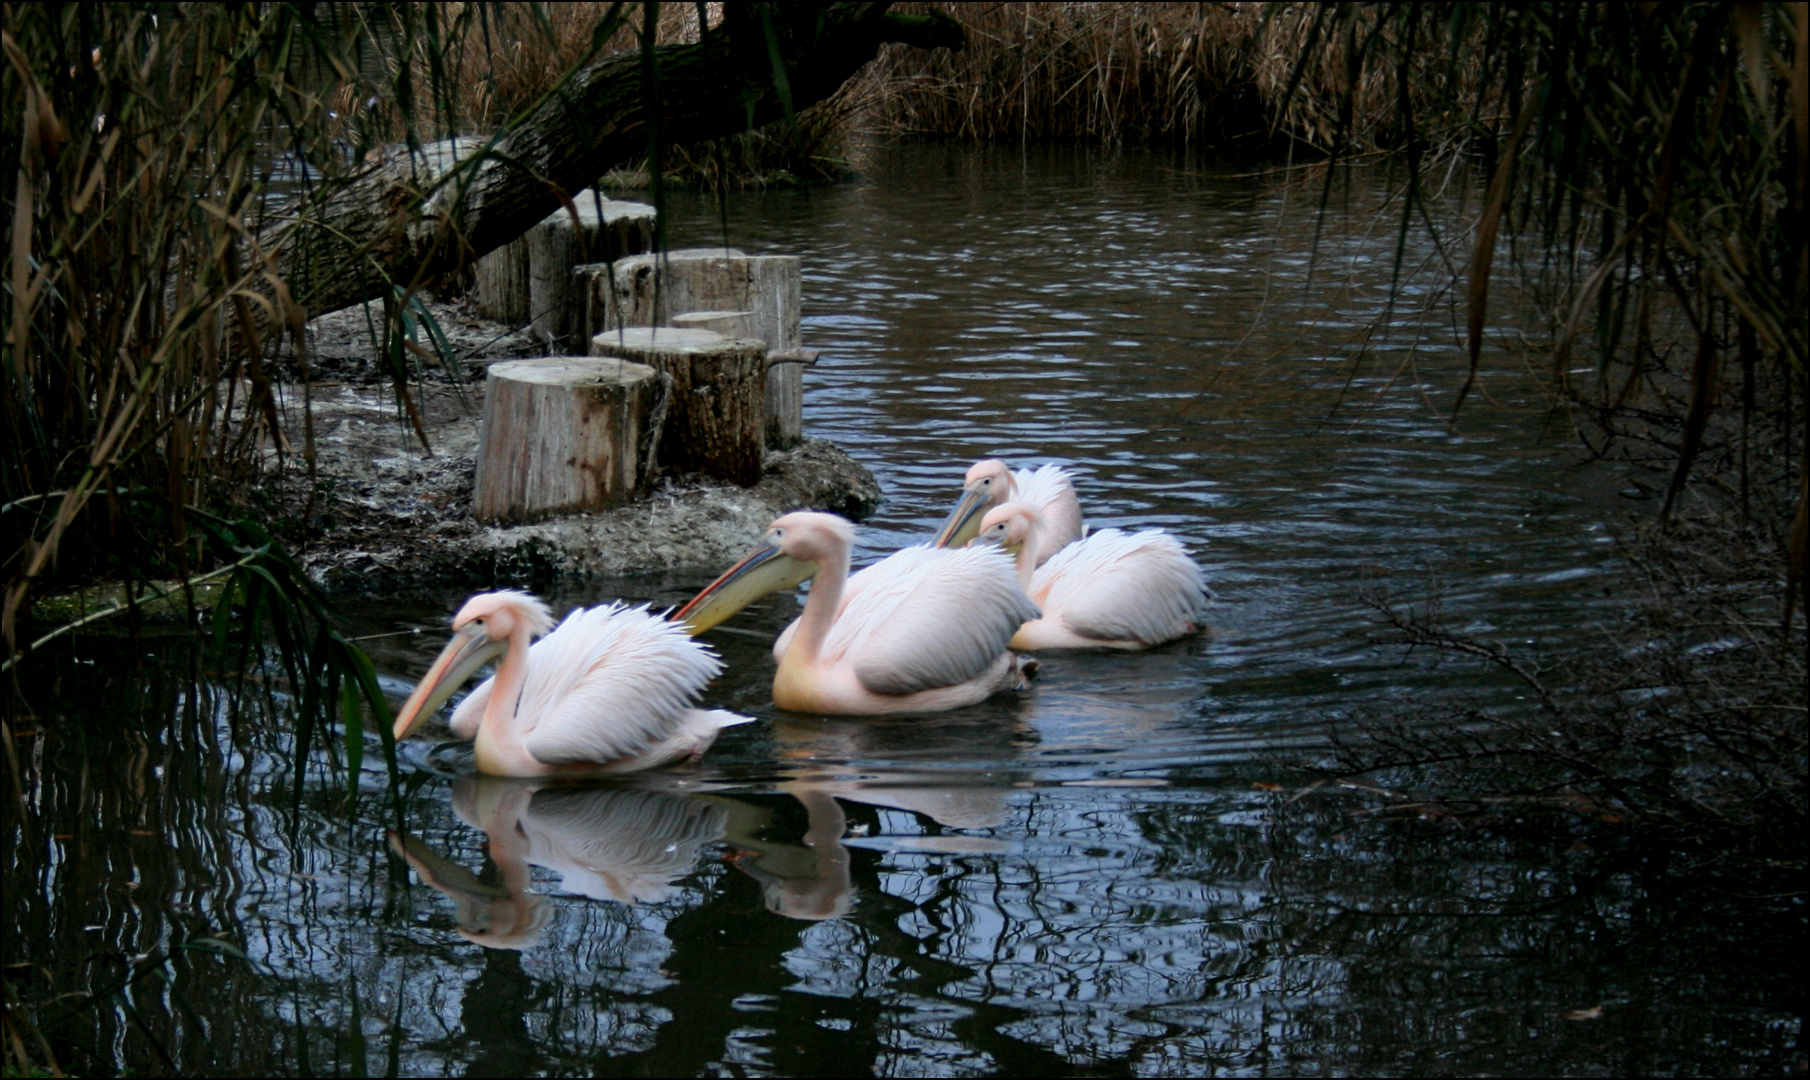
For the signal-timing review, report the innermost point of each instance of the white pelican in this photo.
(928, 632)
(610, 690)
(1113, 590)
(991, 484)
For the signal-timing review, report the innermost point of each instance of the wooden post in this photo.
(499, 288)
(528, 281)
(562, 434)
(595, 283)
(602, 234)
(716, 279)
(716, 411)
(727, 323)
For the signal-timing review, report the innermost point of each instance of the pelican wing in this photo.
(609, 683)
(1118, 586)
(1052, 492)
(929, 618)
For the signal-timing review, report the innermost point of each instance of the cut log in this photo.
(595, 284)
(651, 290)
(715, 415)
(528, 281)
(499, 288)
(606, 231)
(726, 323)
(562, 434)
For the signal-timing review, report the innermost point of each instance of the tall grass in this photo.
(145, 155)
(1211, 76)
(1111, 73)
(1645, 171)
(142, 151)
(139, 151)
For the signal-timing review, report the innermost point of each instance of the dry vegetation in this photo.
(1214, 76)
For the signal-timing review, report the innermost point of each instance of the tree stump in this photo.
(499, 288)
(715, 414)
(715, 279)
(562, 434)
(602, 234)
(726, 323)
(529, 280)
(595, 283)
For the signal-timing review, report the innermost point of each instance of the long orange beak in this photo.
(469, 650)
(963, 523)
(764, 571)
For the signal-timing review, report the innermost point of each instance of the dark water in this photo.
(1093, 877)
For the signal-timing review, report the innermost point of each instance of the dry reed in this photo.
(1213, 76)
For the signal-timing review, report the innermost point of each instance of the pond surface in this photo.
(1107, 874)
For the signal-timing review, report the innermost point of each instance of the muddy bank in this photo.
(384, 515)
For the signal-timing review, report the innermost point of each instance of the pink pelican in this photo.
(1113, 590)
(609, 691)
(928, 631)
(990, 483)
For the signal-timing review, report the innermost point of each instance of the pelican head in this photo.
(794, 549)
(1010, 525)
(481, 633)
(988, 483)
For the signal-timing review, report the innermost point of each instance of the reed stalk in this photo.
(142, 150)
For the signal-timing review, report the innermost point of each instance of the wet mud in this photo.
(381, 514)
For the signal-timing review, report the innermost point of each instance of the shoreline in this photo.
(382, 516)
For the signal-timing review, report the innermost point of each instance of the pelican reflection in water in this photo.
(625, 845)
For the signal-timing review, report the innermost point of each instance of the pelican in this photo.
(991, 484)
(928, 632)
(610, 690)
(1113, 590)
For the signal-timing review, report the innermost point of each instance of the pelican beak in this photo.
(439, 871)
(766, 570)
(469, 650)
(963, 523)
(1000, 543)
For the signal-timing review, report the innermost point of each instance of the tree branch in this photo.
(427, 212)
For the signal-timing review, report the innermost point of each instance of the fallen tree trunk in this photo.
(427, 212)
